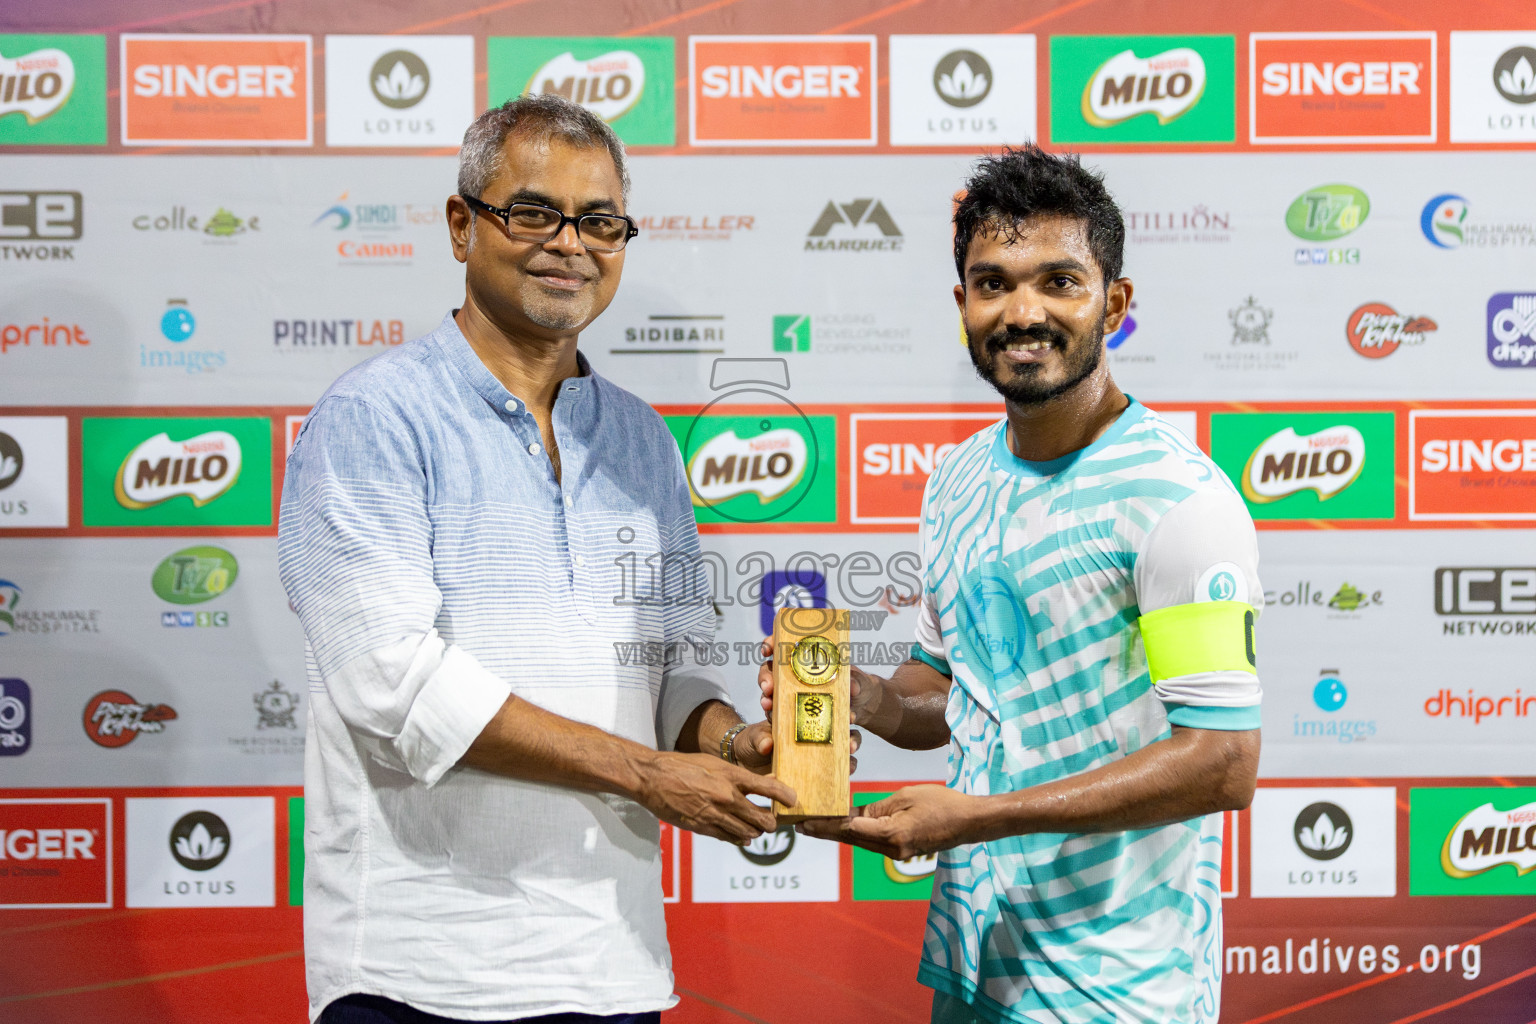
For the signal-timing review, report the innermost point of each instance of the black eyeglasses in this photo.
(601, 232)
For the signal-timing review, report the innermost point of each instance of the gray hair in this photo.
(535, 118)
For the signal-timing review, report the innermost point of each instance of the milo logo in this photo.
(1286, 463)
(759, 468)
(1327, 212)
(913, 869)
(1485, 838)
(609, 85)
(767, 466)
(1166, 85)
(202, 468)
(194, 575)
(36, 84)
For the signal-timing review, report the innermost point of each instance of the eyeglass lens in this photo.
(540, 224)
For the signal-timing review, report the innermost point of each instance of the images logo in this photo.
(859, 216)
(894, 455)
(1104, 90)
(53, 90)
(1472, 842)
(1470, 464)
(56, 853)
(212, 90)
(15, 715)
(114, 719)
(178, 323)
(782, 90)
(399, 79)
(1442, 219)
(627, 82)
(961, 90)
(1375, 330)
(203, 468)
(756, 469)
(1330, 693)
(1512, 329)
(194, 575)
(1327, 212)
(1309, 465)
(1286, 463)
(1341, 87)
(193, 471)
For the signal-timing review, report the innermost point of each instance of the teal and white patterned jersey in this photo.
(1035, 574)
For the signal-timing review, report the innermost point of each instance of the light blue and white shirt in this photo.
(438, 566)
(1034, 576)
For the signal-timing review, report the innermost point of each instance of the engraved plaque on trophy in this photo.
(811, 711)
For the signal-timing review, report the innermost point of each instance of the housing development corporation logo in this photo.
(213, 90)
(1129, 89)
(782, 90)
(1512, 329)
(1472, 464)
(1309, 465)
(191, 471)
(1341, 88)
(952, 90)
(1376, 330)
(627, 82)
(1493, 87)
(867, 220)
(1472, 842)
(53, 90)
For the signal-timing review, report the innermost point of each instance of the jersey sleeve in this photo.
(1198, 589)
(929, 647)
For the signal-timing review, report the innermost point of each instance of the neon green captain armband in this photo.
(1211, 636)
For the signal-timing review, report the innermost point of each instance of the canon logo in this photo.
(47, 844)
(1347, 78)
(221, 80)
(790, 81)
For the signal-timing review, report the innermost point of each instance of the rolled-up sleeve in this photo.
(355, 557)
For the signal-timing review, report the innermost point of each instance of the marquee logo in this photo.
(609, 84)
(1309, 465)
(627, 82)
(1376, 330)
(53, 90)
(1166, 85)
(782, 90)
(213, 90)
(867, 218)
(1471, 464)
(1341, 87)
(203, 468)
(1327, 212)
(767, 466)
(114, 719)
(36, 84)
(1143, 88)
(1512, 329)
(1286, 463)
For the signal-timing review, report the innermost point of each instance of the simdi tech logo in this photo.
(53, 90)
(953, 90)
(183, 471)
(627, 82)
(1472, 464)
(56, 853)
(1477, 841)
(213, 90)
(1343, 88)
(1493, 87)
(782, 90)
(398, 90)
(1134, 89)
(1309, 465)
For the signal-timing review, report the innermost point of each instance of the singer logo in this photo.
(1341, 87)
(782, 90)
(896, 453)
(215, 90)
(1471, 464)
(56, 853)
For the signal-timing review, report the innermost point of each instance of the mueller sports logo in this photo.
(1486, 838)
(1376, 330)
(1287, 463)
(1341, 87)
(211, 90)
(43, 219)
(56, 853)
(1166, 85)
(782, 90)
(114, 719)
(1472, 464)
(36, 84)
(1512, 330)
(768, 466)
(609, 85)
(895, 453)
(867, 219)
(202, 468)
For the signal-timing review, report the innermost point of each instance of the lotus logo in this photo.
(962, 78)
(10, 460)
(1486, 838)
(1167, 85)
(202, 468)
(1327, 212)
(609, 85)
(1442, 219)
(37, 84)
(1323, 831)
(770, 848)
(767, 465)
(1287, 463)
(913, 869)
(200, 841)
(1514, 75)
(399, 79)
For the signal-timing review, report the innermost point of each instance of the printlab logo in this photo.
(53, 90)
(1376, 330)
(15, 717)
(962, 78)
(1323, 831)
(1143, 89)
(199, 841)
(275, 707)
(399, 79)
(45, 218)
(867, 218)
(12, 460)
(112, 718)
(1512, 329)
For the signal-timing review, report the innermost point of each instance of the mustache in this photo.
(584, 267)
(998, 340)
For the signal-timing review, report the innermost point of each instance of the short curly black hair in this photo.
(1005, 190)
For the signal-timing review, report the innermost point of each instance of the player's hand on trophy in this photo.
(703, 794)
(911, 822)
(863, 689)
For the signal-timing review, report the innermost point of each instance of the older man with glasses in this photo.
(484, 776)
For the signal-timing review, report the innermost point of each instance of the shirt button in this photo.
(580, 561)
(569, 503)
(534, 449)
(511, 405)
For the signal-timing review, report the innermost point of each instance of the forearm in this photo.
(705, 728)
(1192, 773)
(523, 741)
(907, 709)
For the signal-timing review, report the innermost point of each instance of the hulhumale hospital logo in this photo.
(1442, 220)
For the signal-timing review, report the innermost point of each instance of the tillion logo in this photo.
(962, 78)
(114, 719)
(1167, 85)
(1287, 463)
(913, 869)
(194, 575)
(1323, 831)
(768, 465)
(1514, 75)
(202, 468)
(36, 84)
(1512, 329)
(399, 79)
(1485, 838)
(770, 848)
(861, 215)
(1376, 330)
(199, 841)
(608, 85)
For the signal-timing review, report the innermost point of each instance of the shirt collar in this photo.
(455, 348)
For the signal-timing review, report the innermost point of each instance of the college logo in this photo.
(1309, 465)
(34, 471)
(1472, 842)
(1470, 464)
(866, 218)
(15, 714)
(56, 853)
(212, 90)
(962, 90)
(1316, 842)
(114, 719)
(1341, 87)
(758, 469)
(398, 90)
(220, 226)
(1512, 329)
(1493, 86)
(894, 454)
(53, 90)
(200, 851)
(782, 90)
(41, 217)
(1376, 330)
(194, 575)
(1143, 89)
(193, 471)
(627, 82)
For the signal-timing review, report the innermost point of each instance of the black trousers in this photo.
(360, 1009)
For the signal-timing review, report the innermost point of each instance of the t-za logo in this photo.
(1167, 84)
(156, 470)
(1514, 75)
(1323, 831)
(1287, 463)
(114, 719)
(194, 575)
(399, 79)
(858, 215)
(1511, 330)
(1486, 838)
(1376, 330)
(768, 465)
(199, 841)
(609, 85)
(962, 78)
(770, 848)
(36, 84)
(1327, 212)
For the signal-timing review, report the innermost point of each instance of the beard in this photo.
(1022, 384)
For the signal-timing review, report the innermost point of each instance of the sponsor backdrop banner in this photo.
(208, 212)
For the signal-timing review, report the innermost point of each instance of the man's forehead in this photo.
(557, 164)
(1045, 238)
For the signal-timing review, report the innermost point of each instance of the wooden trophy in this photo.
(811, 712)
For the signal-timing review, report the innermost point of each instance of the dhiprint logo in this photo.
(1286, 463)
(1514, 75)
(1166, 85)
(961, 90)
(962, 78)
(868, 218)
(199, 841)
(1512, 329)
(1376, 330)
(1323, 831)
(1442, 220)
(114, 719)
(15, 715)
(399, 79)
